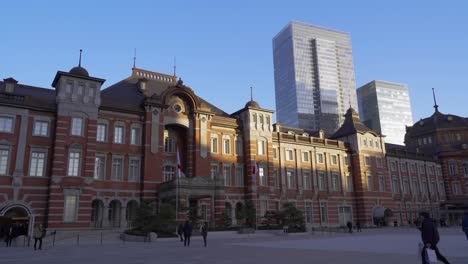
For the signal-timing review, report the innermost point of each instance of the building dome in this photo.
(80, 71)
(252, 104)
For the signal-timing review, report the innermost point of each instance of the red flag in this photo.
(178, 164)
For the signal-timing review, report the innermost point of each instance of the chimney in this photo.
(10, 84)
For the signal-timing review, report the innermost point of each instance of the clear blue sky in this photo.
(224, 47)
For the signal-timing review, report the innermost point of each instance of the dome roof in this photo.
(80, 71)
(252, 104)
(439, 120)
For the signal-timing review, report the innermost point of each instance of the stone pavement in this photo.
(383, 246)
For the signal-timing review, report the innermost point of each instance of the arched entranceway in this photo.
(17, 216)
(131, 212)
(97, 214)
(175, 140)
(115, 208)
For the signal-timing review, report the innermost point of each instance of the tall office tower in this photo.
(385, 107)
(314, 77)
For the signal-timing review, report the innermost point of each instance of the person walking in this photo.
(358, 227)
(9, 235)
(350, 227)
(187, 233)
(204, 231)
(430, 238)
(38, 234)
(465, 224)
(180, 231)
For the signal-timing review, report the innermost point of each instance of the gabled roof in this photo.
(352, 125)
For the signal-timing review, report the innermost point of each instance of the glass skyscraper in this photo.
(314, 77)
(385, 107)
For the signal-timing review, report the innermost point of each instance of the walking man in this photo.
(358, 227)
(204, 232)
(430, 238)
(180, 231)
(350, 227)
(187, 233)
(465, 224)
(38, 234)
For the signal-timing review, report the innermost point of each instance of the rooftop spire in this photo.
(436, 107)
(251, 94)
(79, 62)
(134, 58)
(174, 66)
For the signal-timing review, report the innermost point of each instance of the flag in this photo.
(254, 170)
(178, 164)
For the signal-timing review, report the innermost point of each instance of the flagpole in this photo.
(177, 186)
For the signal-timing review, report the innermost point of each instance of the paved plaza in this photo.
(389, 245)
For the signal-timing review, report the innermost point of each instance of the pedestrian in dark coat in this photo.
(350, 227)
(180, 231)
(430, 238)
(465, 224)
(358, 227)
(9, 235)
(204, 232)
(187, 233)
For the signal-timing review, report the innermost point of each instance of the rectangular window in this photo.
(134, 170)
(101, 132)
(169, 173)
(465, 169)
(319, 158)
(379, 162)
(227, 175)
(276, 177)
(263, 207)
(37, 164)
(334, 160)
(367, 161)
(413, 168)
(289, 154)
(239, 149)
(261, 174)
(381, 183)
(307, 180)
(323, 213)
(261, 147)
(70, 208)
(118, 134)
(405, 186)
(416, 187)
(308, 212)
(73, 163)
(240, 175)
(4, 153)
(99, 168)
(41, 128)
(403, 167)
(6, 124)
(305, 156)
(395, 187)
(349, 182)
(321, 177)
(275, 153)
(370, 183)
(214, 171)
(456, 188)
(214, 145)
(347, 161)
(335, 182)
(452, 168)
(77, 126)
(170, 141)
(135, 138)
(290, 176)
(117, 168)
(226, 146)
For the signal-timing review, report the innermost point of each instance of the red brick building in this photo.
(78, 156)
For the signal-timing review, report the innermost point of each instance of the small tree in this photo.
(248, 213)
(145, 216)
(165, 222)
(292, 217)
(226, 219)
